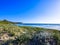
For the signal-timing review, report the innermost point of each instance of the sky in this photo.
(30, 11)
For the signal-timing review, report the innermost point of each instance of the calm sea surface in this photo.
(49, 26)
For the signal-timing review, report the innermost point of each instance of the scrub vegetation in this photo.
(11, 34)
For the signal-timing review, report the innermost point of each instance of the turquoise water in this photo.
(49, 26)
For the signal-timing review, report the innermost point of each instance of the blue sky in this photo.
(30, 11)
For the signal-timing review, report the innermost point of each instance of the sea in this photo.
(49, 26)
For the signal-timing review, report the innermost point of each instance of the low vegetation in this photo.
(11, 34)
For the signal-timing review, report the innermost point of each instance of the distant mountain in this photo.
(9, 22)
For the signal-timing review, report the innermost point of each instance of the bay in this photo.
(49, 26)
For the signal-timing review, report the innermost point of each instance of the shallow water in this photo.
(49, 26)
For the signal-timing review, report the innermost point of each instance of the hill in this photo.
(11, 34)
(9, 22)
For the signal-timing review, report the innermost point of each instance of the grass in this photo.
(23, 33)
